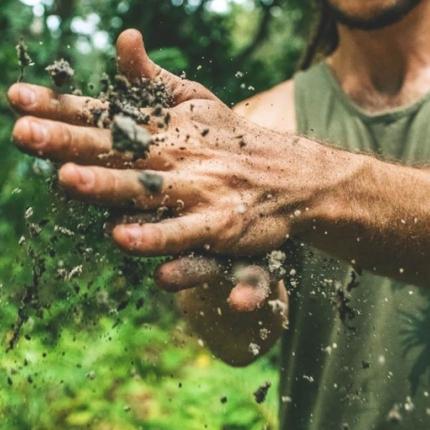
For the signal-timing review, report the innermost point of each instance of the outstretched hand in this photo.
(222, 176)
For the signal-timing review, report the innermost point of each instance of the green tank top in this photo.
(373, 370)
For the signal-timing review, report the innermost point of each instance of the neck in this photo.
(387, 67)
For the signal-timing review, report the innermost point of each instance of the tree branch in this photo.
(261, 34)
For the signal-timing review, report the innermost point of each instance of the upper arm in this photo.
(274, 108)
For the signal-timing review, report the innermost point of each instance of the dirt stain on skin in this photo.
(152, 183)
(128, 136)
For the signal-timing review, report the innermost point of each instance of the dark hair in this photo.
(324, 39)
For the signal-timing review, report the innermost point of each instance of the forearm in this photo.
(238, 338)
(373, 214)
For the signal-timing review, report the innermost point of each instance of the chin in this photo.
(371, 14)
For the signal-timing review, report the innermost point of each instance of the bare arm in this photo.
(374, 214)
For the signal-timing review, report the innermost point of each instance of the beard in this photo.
(383, 18)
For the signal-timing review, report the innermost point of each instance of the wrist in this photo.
(330, 197)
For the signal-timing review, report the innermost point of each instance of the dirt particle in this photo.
(91, 375)
(139, 303)
(264, 333)
(309, 378)
(409, 405)
(152, 183)
(276, 261)
(261, 393)
(60, 72)
(394, 415)
(24, 59)
(254, 349)
(128, 136)
(128, 99)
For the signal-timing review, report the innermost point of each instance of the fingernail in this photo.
(39, 133)
(26, 96)
(86, 177)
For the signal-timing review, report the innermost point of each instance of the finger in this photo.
(59, 141)
(124, 188)
(187, 272)
(251, 290)
(45, 103)
(169, 237)
(246, 298)
(63, 142)
(134, 62)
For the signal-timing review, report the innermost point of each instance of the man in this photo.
(247, 185)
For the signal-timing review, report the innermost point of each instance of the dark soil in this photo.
(24, 59)
(152, 183)
(342, 300)
(131, 107)
(261, 393)
(131, 100)
(60, 72)
(128, 136)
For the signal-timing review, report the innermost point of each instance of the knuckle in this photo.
(21, 130)
(153, 239)
(112, 186)
(67, 139)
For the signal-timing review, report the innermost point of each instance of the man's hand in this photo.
(238, 338)
(59, 127)
(233, 186)
(236, 188)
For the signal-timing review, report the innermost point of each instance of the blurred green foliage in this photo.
(98, 346)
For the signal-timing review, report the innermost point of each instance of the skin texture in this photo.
(243, 200)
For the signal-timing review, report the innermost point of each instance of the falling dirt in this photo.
(24, 59)
(261, 393)
(128, 136)
(58, 246)
(60, 72)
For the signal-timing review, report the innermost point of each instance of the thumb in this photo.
(134, 63)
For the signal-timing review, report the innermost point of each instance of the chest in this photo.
(399, 136)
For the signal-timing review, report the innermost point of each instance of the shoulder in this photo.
(274, 108)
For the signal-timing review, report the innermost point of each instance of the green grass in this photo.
(131, 377)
